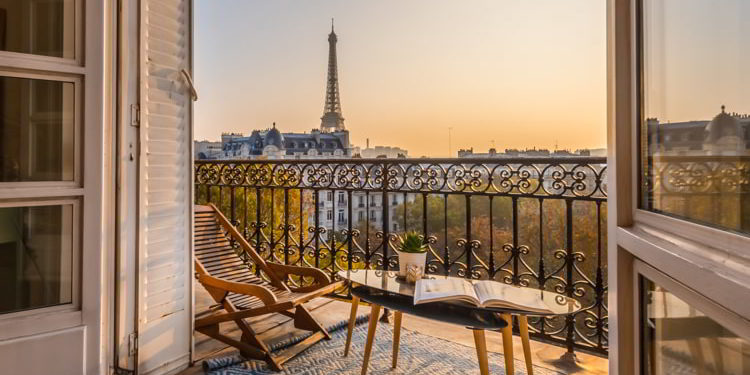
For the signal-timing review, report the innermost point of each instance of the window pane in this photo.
(35, 257)
(39, 27)
(695, 136)
(37, 130)
(679, 339)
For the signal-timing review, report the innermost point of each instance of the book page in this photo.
(496, 294)
(431, 290)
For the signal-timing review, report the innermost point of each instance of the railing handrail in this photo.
(556, 177)
(428, 161)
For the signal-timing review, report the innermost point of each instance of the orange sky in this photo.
(509, 73)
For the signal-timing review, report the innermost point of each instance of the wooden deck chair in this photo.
(242, 294)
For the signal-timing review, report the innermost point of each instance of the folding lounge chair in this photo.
(243, 294)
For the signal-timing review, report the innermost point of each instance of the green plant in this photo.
(412, 243)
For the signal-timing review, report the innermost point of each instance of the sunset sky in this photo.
(515, 74)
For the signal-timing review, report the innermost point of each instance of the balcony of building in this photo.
(535, 222)
(547, 357)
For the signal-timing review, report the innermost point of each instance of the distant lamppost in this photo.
(450, 149)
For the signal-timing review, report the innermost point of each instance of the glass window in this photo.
(37, 130)
(695, 130)
(39, 27)
(36, 258)
(679, 339)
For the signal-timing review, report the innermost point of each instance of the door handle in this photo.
(191, 86)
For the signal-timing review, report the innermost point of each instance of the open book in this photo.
(487, 293)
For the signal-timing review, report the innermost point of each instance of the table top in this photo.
(388, 281)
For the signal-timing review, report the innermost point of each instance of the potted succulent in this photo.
(412, 252)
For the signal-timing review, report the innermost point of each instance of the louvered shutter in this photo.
(165, 204)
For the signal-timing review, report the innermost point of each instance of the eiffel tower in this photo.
(332, 120)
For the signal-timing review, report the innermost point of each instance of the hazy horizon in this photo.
(510, 74)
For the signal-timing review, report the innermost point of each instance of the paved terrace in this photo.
(277, 327)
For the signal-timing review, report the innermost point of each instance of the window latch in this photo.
(135, 115)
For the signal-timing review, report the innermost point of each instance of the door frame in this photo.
(681, 250)
(130, 80)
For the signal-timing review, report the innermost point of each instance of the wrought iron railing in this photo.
(538, 222)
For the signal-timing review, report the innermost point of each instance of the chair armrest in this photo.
(282, 270)
(261, 292)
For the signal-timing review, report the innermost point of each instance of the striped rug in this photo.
(418, 354)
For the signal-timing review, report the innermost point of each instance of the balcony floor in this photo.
(278, 327)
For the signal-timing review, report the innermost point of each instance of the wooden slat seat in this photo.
(223, 265)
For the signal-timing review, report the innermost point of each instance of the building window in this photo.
(361, 201)
(45, 28)
(372, 215)
(36, 256)
(694, 75)
(329, 215)
(341, 216)
(329, 196)
(361, 215)
(677, 335)
(341, 197)
(38, 142)
(41, 143)
(395, 227)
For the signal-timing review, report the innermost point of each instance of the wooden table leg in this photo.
(396, 336)
(372, 327)
(350, 328)
(481, 345)
(508, 344)
(523, 327)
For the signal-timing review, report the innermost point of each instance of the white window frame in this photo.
(75, 65)
(682, 250)
(28, 321)
(91, 185)
(51, 188)
(730, 320)
(736, 245)
(683, 237)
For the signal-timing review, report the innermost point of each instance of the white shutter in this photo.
(165, 261)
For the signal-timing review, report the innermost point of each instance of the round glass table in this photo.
(384, 289)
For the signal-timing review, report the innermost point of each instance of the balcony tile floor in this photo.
(276, 328)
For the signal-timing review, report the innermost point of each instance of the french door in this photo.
(679, 143)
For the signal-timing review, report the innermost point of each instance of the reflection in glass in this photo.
(35, 257)
(37, 130)
(695, 134)
(679, 339)
(39, 27)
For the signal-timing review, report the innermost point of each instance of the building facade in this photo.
(528, 153)
(273, 144)
(726, 134)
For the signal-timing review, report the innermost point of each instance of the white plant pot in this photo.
(407, 259)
